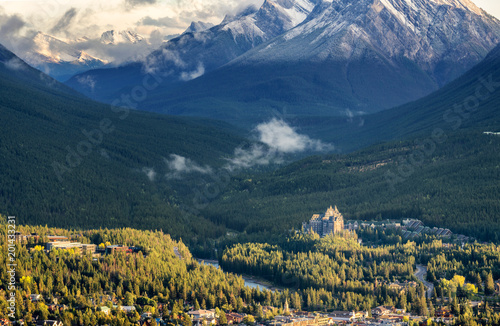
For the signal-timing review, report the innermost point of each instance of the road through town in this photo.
(420, 273)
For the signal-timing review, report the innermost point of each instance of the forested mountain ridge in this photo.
(112, 184)
(346, 58)
(71, 162)
(445, 180)
(468, 101)
(13, 69)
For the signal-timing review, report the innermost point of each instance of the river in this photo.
(251, 282)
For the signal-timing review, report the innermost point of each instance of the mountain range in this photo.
(434, 159)
(62, 58)
(64, 180)
(468, 101)
(325, 70)
(333, 58)
(193, 54)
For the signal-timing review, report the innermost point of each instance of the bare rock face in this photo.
(195, 53)
(318, 57)
(444, 37)
(219, 45)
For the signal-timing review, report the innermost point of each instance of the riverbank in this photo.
(250, 280)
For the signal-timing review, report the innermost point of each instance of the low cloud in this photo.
(15, 64)
(161, 22)
(135, 3)
(179, 165)
(278, 135)
(186, 76)
(256, 154)
(87, 81)
(358, 117)
(150, 173)
(122, 52)
(275, 140)
(11, 33)
(163, 63)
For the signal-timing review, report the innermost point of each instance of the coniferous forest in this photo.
(312, 274)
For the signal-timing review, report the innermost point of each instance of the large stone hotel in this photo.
(330, 222)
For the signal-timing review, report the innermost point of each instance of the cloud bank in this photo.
(275, 139)
(11, 25)
(64, 21)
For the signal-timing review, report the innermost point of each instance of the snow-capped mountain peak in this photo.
(272, 19)
(420, 30)
(53, 49)
(198, 26)
(117, 37)
(85, 58)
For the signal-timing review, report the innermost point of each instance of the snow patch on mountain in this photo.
(244, 27)
(194, 53)
(49, 49)
(198, 26)
(425, 31)
(117, 37)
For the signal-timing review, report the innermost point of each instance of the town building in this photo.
(57, 238)
(82, 248)
(116, 248)
(346, 316)
(35, 297)
(49, 322)
(330, 222)
(19, 237)
(105, 310)
(205, 317)
(234, 318)
(89, 248)
(127, 309)
(383, 310)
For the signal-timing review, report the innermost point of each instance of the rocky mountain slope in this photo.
(194, 54)
(60, 58)
(346, 58)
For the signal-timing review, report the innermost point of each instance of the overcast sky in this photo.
(491, 6)
(70, 18)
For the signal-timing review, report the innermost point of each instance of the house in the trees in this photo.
(49, 322)
(382, 310)
(127, 309)
(203, 317)
(234, 318)
(113, 249)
